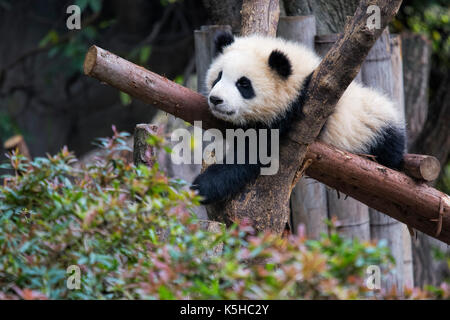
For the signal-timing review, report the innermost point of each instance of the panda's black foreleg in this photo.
(221, 181)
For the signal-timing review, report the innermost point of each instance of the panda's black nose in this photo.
(215, 101)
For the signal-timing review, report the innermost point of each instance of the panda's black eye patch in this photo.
(217, 79)
(245, 87)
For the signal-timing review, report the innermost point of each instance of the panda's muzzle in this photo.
(218, 109)
(215, 106)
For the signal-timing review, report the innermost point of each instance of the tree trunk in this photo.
(260, 17)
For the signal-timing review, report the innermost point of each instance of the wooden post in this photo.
(143, 153)
(377, 73)
(308, 198)
(204, 52)
(352, 216)
(17, 142)
(301, 29)
(399, 97)
(416, 73)
(421, 167)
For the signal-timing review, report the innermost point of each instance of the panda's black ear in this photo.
(222, 39)
(279, 62)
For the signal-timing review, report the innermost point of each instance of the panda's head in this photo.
(253, 78)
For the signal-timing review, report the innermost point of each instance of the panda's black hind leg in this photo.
(390, 147)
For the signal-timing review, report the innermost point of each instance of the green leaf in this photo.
(96, 5)
(82, 4)
(125, 98)
(52, 37)
(144, 54)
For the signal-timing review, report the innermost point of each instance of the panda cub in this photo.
(260, 82)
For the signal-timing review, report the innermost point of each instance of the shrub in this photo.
(132, 233)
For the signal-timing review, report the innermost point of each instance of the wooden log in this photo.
(421, 167)
(308, 198)
(149, 87)
(17, 142)
(389, 191)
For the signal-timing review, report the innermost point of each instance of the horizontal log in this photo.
(391, 192)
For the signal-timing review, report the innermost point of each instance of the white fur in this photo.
(359, 115)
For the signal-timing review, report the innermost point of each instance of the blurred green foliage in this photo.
(444, 182)
(73, 45)
(8, 127)
(430, 18)
(132, 233)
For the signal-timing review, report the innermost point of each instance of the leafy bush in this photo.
(132, 233)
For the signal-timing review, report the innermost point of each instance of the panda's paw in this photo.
(207, 186)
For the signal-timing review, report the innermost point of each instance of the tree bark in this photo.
(260, 17)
